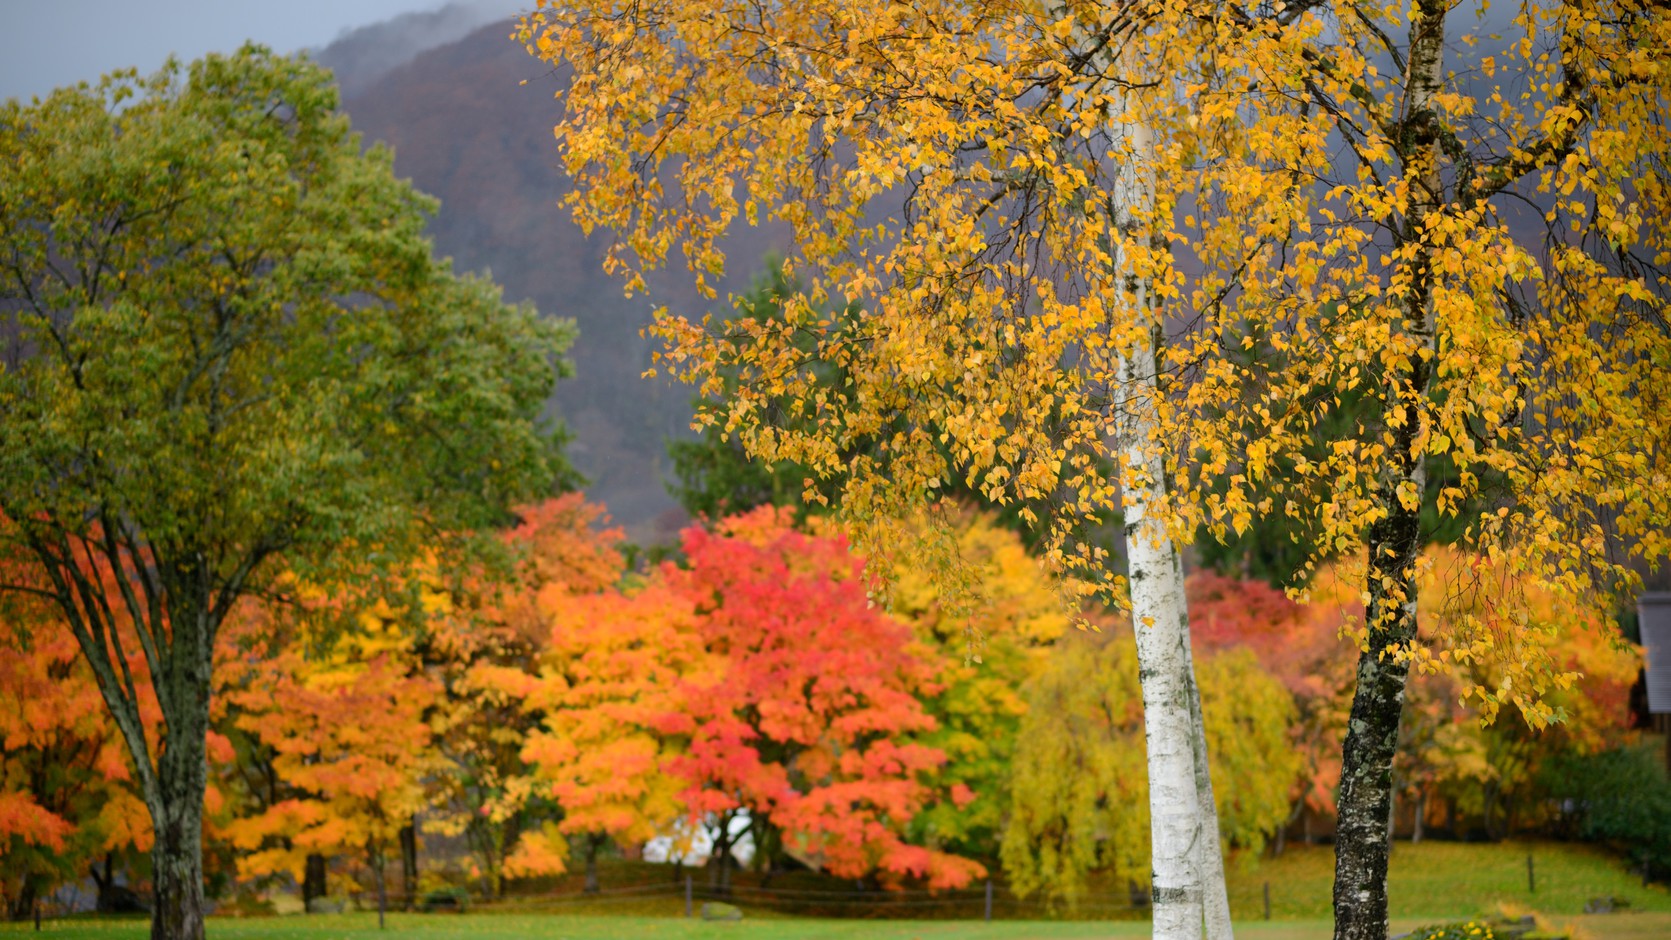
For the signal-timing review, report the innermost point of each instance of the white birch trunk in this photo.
(1215, 900)
(1187, 871)
(1157, 611)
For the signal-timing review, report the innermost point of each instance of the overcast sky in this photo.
(47, 43)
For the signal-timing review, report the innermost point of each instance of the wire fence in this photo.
(992, 899)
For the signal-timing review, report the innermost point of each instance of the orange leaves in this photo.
(756, 675)
(352, 739)
(607, 679)
(22, 818)
(540, 852)
(1489, 638)
(65, 775)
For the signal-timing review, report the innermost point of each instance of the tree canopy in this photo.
(1451, 233)
(226, 342)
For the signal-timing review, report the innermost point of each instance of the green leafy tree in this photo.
(228, 345)
(1620, 795)
(714, 474)
(1084, 712)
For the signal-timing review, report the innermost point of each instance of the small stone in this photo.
(1605, 905)
(716, 910)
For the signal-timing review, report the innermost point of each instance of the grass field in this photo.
(1431, 882)
(1636, 926)
(1447, 879)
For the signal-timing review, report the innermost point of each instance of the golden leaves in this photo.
(945, 170)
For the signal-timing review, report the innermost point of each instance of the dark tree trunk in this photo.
(1421, 817)
(1362, 843)
(594, 842)
(768, 847)
(719, 878)
(409, 863)
(1281, 841)
(177, 805)
(25, 904)
(105, 882)
(1362, 839)
(313, 879)
(1392, 818)
(1493, 830)
(379, 865)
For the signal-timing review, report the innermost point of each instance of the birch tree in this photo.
(973, 180)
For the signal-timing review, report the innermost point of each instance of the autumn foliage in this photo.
(558, 702)
(66, 793)
(806, 726)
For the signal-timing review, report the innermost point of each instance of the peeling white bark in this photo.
(1187, 870)
(1158, 616)
(1215, 900)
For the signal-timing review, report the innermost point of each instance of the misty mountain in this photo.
(361, 56)
(466, 129)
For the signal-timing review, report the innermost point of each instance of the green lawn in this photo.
(1431, 882)
(1636, 926)
(1434, 880)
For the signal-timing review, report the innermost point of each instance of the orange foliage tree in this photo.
(616, 665)
(1482, 775)
(1486, 775)
(349, 736)
(486, 648)
(1300, 646)
(66, 796)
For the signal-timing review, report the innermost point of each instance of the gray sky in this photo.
(48, 43)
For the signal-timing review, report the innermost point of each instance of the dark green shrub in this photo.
(445, 900)
(1620, 796)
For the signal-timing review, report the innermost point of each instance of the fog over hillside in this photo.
(361, 56)
(466, 130)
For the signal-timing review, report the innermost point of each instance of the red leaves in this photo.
(818, 685)
(756, 675)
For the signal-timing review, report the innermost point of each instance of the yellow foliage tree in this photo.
(972, 180)
(1086, 713)
(1018, 197)
(1456, 225)
(991, 639)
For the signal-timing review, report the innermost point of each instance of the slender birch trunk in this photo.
(1215, 901)
(1187, 872)
(1157, 610)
